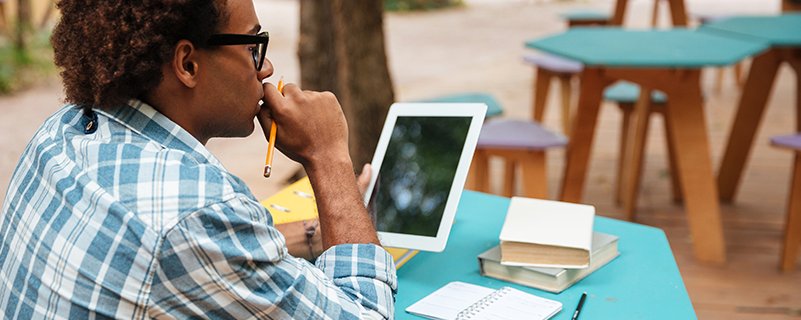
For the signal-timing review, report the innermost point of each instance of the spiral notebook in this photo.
(459, 300)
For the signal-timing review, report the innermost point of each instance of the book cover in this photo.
(296, 203)
(547, 233)
(555, 280)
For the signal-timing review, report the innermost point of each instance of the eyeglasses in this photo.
(260, 40)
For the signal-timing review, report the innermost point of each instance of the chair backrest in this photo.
(493, 106)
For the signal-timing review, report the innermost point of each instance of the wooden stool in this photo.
(546, 68)
(792, 229)
(632, 143)
(519, 142)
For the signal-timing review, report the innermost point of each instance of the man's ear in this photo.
(185, 64)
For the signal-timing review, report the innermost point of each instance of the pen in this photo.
(268, 164)
(581, 304)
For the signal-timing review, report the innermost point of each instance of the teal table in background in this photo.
(665, 60)
(783, 33)
(642, 283)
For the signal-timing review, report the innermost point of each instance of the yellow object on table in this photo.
(296, 203)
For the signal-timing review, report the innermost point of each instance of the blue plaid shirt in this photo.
(133, 218)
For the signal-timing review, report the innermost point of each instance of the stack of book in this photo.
(548, 245)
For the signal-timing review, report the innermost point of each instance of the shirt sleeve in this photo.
(227, 261)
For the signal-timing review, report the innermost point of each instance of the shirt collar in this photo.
(145, 120)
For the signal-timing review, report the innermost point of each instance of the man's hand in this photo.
(312, 130)
(311, 125)
(364, 178)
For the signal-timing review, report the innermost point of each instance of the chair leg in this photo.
(672, 163)
(635, 156)
(535, 178)
(509, 178)
(792, 230)
(478, 178)
(626, 109)
(738, 74)
(567, 90)
(541, 85)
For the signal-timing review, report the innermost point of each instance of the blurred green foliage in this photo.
(20, 69)
(411, 5)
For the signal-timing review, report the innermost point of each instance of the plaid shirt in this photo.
(132, 218)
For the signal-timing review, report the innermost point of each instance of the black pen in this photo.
(581, 304)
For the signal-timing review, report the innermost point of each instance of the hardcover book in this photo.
(555, 280)
(545, 233)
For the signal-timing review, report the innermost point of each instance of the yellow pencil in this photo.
(268, 165)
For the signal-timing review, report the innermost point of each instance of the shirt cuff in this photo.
(365, 272)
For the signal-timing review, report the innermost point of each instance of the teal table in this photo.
(783, 33)
(669, 61)
(642, 283)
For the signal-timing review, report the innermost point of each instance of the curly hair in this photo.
(113, 50)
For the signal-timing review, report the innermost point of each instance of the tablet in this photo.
(419, 170)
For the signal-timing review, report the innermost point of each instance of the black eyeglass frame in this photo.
(228, 39)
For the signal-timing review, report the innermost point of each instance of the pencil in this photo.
(268, 164)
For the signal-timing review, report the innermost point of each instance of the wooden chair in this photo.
(792, 228)
(546, 68)
(519, 142)
(632, 143)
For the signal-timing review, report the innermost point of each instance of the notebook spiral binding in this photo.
(474, 309)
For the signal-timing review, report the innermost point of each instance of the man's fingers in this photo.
(364, 178)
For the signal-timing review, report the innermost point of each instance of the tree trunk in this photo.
(317, 47)
(365, 86)
(23, 23)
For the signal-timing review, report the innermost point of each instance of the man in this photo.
(117, 210)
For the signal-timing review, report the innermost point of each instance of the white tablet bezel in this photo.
(477, 112)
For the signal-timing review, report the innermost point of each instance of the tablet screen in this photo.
(417, 172)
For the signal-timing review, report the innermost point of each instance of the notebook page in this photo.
(448, 301)
(513, 304)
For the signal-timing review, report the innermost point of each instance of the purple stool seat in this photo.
(791, 246)
(521, 143)
(792, 141)
(554, 63)
(518, 135)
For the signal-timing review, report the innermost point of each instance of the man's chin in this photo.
(241, 132)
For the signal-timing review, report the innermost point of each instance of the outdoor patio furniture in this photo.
(792, 228)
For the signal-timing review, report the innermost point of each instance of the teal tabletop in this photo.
(642, 283)
(678, 47)
(782, 30)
